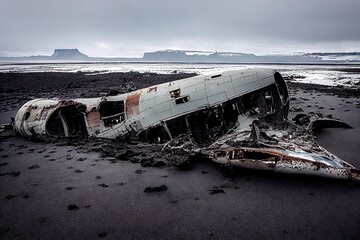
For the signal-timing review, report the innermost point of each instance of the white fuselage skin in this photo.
(150, 106)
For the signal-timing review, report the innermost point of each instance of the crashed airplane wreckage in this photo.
(236, 118)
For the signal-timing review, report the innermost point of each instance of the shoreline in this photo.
(17, 88)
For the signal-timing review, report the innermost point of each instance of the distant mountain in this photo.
(72, 54)
(234, 57)
(336, 56)
(58, 55)
(198, 57)
(221, 57)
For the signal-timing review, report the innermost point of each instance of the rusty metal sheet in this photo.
(93, 119)
(132, 103)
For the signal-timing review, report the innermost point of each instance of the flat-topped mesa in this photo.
(68, 54)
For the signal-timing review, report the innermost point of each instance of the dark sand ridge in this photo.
(107, 196)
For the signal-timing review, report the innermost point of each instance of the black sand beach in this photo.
(71, 190)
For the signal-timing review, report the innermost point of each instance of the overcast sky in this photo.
(131, 27)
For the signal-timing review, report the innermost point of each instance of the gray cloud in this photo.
(128, 27)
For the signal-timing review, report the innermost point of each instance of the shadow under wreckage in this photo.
(237, 118)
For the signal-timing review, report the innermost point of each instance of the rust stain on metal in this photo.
(132, 103)
(93, 119)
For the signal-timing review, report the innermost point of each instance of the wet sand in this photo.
(54, 190)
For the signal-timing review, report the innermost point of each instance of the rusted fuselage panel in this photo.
(132, 103)
(51, 117)
(284, 161)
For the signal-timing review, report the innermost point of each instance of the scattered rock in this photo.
(103, 185)
(139, 171)
(3, 164)
(216, 190)
(13, 173)
(78, 171)
(156, 189)
(5, 231)
(123, 154)
(204, 172)
(42, 220)
(297, 109)
(69, 188)
(73, 207)
(34, 166)
(227, 183)
(9, 196)
(102, 234)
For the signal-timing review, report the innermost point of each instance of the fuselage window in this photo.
(112, 113)
(175, 93)
(182, 100)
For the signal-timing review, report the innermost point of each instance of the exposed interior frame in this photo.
(205, 125)
(67, 121)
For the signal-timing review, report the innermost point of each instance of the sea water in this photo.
(331, 75)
